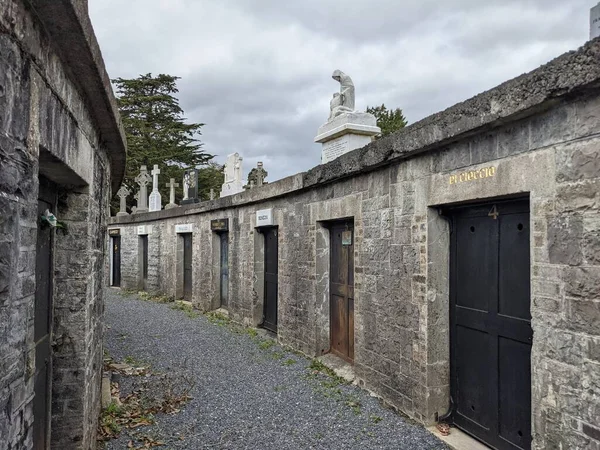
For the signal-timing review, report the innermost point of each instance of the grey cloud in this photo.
(258, 72)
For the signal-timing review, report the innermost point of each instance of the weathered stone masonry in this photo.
(58, 122)
(537, 135)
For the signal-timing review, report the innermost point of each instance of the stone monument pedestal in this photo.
(345, 133)
(231, 189)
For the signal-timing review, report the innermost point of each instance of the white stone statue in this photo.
(233, 175)
(343, 101)
(143, 179)
(172, 185)
(123, 193)
(186, 185)
(346, 129)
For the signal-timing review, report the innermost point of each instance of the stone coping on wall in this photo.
(570, 75)
(70, 30)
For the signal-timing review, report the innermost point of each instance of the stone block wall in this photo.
(536, 143)
(48, 129)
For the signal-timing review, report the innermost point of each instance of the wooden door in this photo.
(224, 272)
(43, 320)
(271, 269)
(490, 323)
(187, 266)
(116, 260)
(341, 289)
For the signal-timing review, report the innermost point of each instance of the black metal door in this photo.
(116, 269)
(341, 289)
(144, 239)
(187, 266)
(491, 323)
(271, 268)
(43, 320)
(224, 282)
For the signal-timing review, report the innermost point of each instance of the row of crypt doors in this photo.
(271, 264)
(490, 321)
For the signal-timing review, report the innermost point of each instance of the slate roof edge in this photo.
(69, 26)
(567, 75)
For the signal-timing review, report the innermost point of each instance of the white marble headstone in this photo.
(155, 203)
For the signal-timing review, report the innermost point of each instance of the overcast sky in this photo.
(258, 72)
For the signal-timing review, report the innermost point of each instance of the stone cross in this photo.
(155, 199)
(172, 185)
(260, 175)
(123, 193)
(143, 179)
(212, 194)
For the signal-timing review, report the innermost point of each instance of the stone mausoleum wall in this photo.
(58, 122)
(536, 136)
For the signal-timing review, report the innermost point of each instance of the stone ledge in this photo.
(70, 29)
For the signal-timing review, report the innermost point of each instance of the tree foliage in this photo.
(157, 132)
(389, 120)
(210, 177)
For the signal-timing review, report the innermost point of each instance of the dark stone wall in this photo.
(46, 129)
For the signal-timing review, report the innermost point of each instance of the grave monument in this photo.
(142, 180)
(346, 129)
(233, 176)
(123, 193)
(155, 198)
(172, 185)
(190, 187)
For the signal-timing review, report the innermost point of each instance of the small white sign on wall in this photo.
(184, 228)
(144, 229)
(264, 217)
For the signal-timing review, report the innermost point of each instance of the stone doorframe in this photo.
(322, 213)
(215, 241)
(513, 179)
(258, 285)
(322, 297)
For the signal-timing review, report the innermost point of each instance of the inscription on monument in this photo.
(333, 149)
(471, 175)
(595, 21)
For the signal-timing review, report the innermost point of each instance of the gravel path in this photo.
(248, 394)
